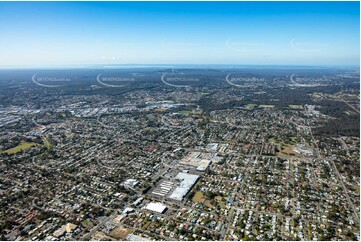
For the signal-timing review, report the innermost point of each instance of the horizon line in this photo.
(140, 65)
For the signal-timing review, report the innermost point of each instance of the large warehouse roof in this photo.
(188, 180)
(156, 207)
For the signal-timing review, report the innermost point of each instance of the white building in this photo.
(133, 237)
(204, 165)
(130, 183)
(156, 207)
(187, 182)
(138, 201)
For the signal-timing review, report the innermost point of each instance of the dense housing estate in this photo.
(266, 159)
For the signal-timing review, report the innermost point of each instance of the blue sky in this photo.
(81, 33)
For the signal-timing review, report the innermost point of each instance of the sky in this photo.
(244, 33)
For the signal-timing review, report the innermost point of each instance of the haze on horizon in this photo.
(251, 33)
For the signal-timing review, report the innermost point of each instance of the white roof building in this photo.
(204, 165)
(156, 207)
(138, 201)
(128, 210)
(130, 183)
(187, 182)
(133, 237)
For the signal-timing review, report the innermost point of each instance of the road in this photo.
(340, 180)
(344, 145)
(89, 235)
(345, 191)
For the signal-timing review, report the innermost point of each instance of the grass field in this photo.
(220, 200)
(184, 112)
(299, 107)
(86, 224)
(21, 147)
(120, 233)
(199, 198)
(266, 106)
(47, 143)
(250, 106)
(288, 151)
(285, 146)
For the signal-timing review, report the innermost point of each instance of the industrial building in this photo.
(130, 183)
(187, 182)
(163, 188)
(156, 207)
(138, 201)
(204, 165)
(133, 237)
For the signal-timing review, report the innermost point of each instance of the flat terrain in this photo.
(274, 160)
(19, 148)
